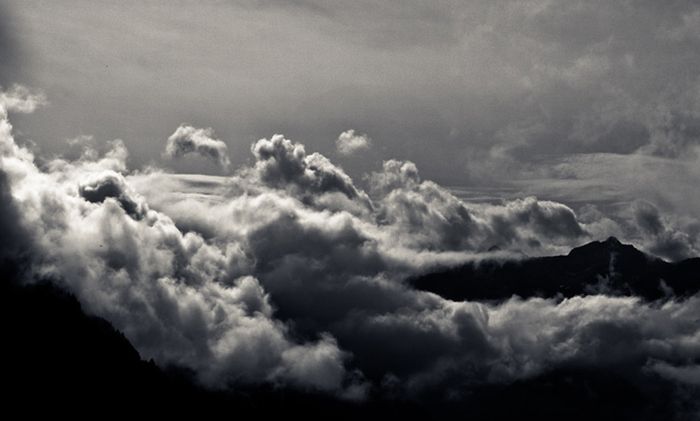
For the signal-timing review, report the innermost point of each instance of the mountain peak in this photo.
(601, 251)
(608, 267)
(611, 244)
(612, 241)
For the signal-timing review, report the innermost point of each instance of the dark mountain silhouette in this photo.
(56, 357)
(58, 360)
(608, 267)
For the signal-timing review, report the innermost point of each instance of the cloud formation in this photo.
(110, 184)
(674, 240)
(561, 77)
(132, 265)
(20, 99)
(281, 163)
(349, 142)
(287, 273)
(188, 140)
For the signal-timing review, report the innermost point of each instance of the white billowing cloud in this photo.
(350, 142)
(20, 99)
(210, 273)
(438, 220)
(173, 294)
(191, 140)
(281, 163)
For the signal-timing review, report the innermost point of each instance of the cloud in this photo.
(317, 366)
(20, 99)
(456, 347)
(172, 293)
(674, 240)
(685, 374)
(438, 220)
(188, 140)
(14, 244)
(648, 217)
(536, 78)
(546, 218)
(349, 143)
(110, 184)
(281, 163)
(287, 273)
(395, 174)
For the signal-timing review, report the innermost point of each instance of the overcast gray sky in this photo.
(558, 97)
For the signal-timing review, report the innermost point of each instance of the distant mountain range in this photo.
(601, 267)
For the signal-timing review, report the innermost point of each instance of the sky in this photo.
(163, 159)
(475, 93)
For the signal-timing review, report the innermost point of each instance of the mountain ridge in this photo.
(608, 266)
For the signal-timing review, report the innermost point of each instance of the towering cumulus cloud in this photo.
(288, 273)
(191, 140)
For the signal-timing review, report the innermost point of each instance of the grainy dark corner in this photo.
(355, 210)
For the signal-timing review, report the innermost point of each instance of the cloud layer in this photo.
(288, 273)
